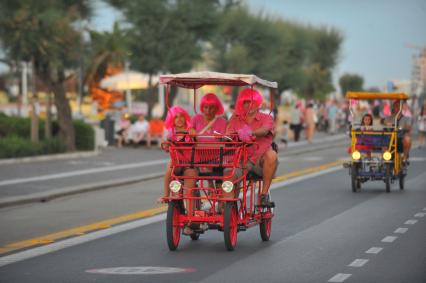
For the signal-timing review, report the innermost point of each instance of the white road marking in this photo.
(410, 222)
(82, 172)
(417, 159)
(420, 214)
(389, 239)
(79, 240)
(132, 270)
(31, 253)
(374, 250)
(359, 262)
(339, 277)
(401, 230)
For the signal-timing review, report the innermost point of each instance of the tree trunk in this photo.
(66, 127)
(48, 123)
(34, 106)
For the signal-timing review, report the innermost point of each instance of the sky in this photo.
(376, 32)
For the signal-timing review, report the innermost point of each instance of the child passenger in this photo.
(177, 122)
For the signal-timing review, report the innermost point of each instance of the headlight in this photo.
(175, 186)
(227, 186)
(387, 155)
(356, 155)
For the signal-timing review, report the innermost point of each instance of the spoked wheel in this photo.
(388, 177)
(230, 225)
(173, 225)
(356, 184)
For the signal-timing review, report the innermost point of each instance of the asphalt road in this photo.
(322, 232)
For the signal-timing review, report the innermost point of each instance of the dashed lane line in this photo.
(420, 214)
(410, 222)
(374, 250)
(359, 262)
(339, 277)
(389, 239)
(401, 230)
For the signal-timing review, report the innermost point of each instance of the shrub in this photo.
(84, 135)
(14, 146)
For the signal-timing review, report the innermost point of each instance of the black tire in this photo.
(173, 228)
(230, 225)
(266, 226)
(401, 181)
(356, 184)
(388, 173)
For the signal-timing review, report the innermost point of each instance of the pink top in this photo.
(124, 124)
(261, 120)
(198, 123)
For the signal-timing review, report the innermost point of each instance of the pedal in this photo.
(270, 204)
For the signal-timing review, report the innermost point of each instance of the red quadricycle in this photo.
(219, 200)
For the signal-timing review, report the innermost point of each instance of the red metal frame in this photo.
(207, 154)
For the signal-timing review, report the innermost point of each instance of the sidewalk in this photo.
(44, 178)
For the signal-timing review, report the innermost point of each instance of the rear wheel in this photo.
(356, 184)
(173, 225)
(266, 225)
(230, 225)
(388, 173)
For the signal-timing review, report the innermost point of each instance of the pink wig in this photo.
(171, 114)
(251, 95)
(211, 98)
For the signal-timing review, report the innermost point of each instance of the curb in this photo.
(53, 194)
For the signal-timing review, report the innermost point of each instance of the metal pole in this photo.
(128, 94)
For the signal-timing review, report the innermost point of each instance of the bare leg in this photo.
(269, 166)
(167, 179)
(189, 184)
(406, 143)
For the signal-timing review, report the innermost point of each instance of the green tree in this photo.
(44, 33)
(351, 82)
(167, 36)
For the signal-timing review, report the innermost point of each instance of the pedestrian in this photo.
(421, 126)
(296, 120)
(309, 122)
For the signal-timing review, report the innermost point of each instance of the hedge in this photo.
(15, 137)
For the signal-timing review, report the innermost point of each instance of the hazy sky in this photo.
(376, 32)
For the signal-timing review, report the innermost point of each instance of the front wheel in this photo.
(388, 173)
(356, 184)
(230, 225)
(173, 226)
(401, 180)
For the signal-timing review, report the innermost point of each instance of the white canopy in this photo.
(198, 79)
(126, 81)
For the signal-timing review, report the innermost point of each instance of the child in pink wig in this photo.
(177, 122)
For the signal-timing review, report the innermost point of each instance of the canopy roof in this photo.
(198, 79)
(376, 95)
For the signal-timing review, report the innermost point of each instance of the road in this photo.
(322, 232)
